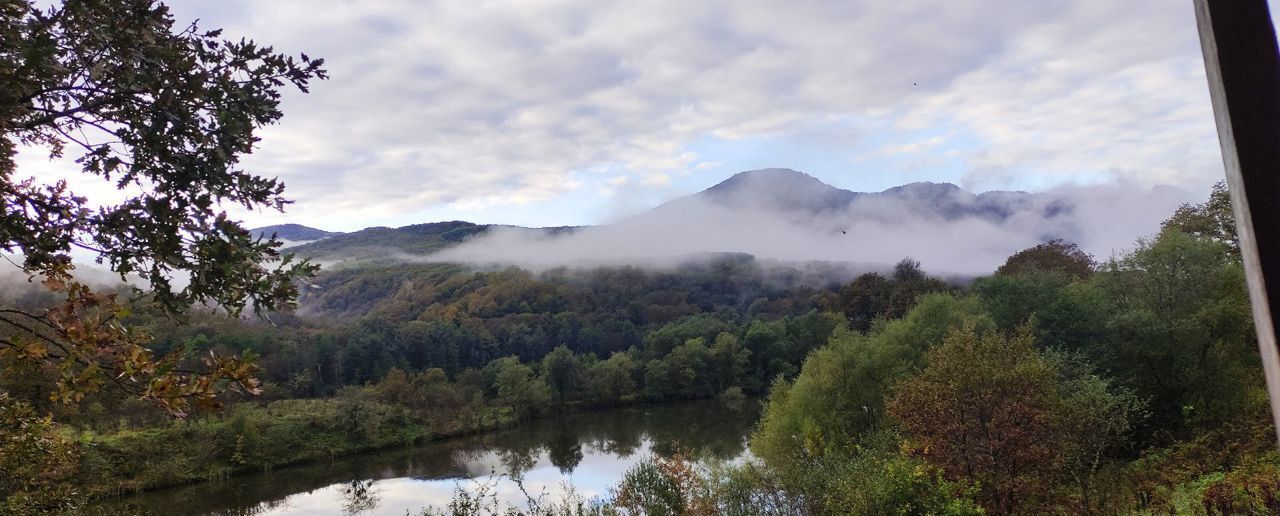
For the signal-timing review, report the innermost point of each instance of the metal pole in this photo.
(1243, 65)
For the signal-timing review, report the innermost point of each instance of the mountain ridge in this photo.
(786, 192)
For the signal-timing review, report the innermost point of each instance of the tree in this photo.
(687, 370)
(1213, 219)
(656, 384)
(162, 111)
(563, 372)
(37, 464)
(864, 299)
(1181, 330)
(519, 388)
(729, 362)
(872, 296)
(1094, 418)
(396, 387)
(839, 395)
(610, 381)
(1013, 299)
(983, 410)
(1056, 255)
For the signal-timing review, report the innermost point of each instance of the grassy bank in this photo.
(257, 437)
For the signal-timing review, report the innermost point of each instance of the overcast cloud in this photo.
(557, 112)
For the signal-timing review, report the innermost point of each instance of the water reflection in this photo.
(590, 450)
(358, 496)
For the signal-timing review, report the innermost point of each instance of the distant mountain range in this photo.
(789, 191)
(784, 192)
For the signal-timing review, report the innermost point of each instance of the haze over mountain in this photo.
(786, 215)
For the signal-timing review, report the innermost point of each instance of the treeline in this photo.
(362, 322)
(421, 317)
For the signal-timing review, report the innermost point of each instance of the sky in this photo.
(567, 112)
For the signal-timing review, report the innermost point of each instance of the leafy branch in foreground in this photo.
(164, 114)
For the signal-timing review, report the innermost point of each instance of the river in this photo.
(588, 450)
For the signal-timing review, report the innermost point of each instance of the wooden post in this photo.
(1243, 65)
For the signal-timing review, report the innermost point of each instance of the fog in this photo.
(974, 238)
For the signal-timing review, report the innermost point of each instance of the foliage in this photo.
(839, 394)
(1212, 220)
(253, 437)
(1012, 300)
(983, 410)
(563, 372)
(1056, 255)
(1094, 419)
(518, 387)
(877, 479)
(164, 114)
(1180, 330)
(665, 486)
(871, 295)
(612, 381)
(36, 463)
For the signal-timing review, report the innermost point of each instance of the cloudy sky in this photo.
(577, 112)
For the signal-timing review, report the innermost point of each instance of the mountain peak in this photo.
(780, 188)
(293, 232)
(925, 187)
(771, 176)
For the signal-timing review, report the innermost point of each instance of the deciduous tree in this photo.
(165, 113)
(984, 411)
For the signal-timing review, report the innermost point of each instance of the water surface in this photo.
(590, 450)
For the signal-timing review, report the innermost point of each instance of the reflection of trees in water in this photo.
(706, 430)
(471, 460)
(254, 510)
(519, 460)
(565, 448)
(619, 436)
(358, 496)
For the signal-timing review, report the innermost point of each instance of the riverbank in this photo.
(250, 438)
(258, 437)
(590, 449)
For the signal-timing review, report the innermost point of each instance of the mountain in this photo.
(797, 194)
(779, 189)
(293, 232)
(381, 241)
(764, 196)
(414, 240)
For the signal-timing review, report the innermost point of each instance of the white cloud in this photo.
(473, 104)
